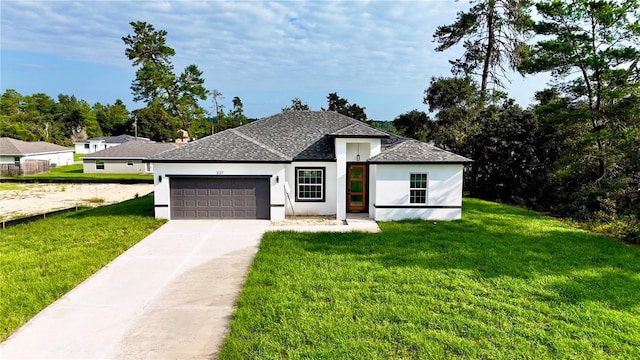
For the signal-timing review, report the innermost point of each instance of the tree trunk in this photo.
(490, 44)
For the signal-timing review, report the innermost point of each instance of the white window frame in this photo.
(413, 190)
(129, 162)
(319, 184)
(99, 164)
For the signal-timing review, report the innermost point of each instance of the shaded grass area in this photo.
(501, 283)
(75, 173)
(41, 261)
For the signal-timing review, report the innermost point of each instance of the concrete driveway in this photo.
(168, 297)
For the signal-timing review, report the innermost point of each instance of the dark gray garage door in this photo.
(219, 198)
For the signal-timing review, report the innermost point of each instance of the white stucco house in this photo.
(17, 154)
(307, 163)
(126, 158)
(92, 145)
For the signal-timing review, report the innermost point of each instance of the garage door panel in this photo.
(219, 198)
(202, 203)
(202, 192)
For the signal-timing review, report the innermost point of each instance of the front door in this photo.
(356, 187)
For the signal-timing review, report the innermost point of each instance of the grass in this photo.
(41, 261)
(74, 173)
(502, 283)
(11, 187)
(78, 157)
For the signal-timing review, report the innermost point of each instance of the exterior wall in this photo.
(164, 171)
(391, 200)
(114, 166)
(79, 148)
(326, 207)
(57, 158)
(347, 150)
(93, 146)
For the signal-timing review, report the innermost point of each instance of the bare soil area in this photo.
(308, 220)
(32, 199)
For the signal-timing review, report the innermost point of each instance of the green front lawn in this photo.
(502, 283)
(74, 173)
(42, 260)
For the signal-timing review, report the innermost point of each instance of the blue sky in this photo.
(378, 54)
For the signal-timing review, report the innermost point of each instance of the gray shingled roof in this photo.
(14, 147)
(413, 151)
(359, 129)
(120, 139)
(132, 150)
(296, 136)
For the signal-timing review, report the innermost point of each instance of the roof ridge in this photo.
(268, 148)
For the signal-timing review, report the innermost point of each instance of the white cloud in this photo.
(246, 46)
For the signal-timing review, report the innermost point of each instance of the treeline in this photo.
(39, 117)
(576, 151)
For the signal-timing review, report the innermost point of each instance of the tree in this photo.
(38, 110)
(10, 102)
(342, 106)
(492, 34)
(505, 153)
(592, 49)
(236, 114)
(74, 117)
(155, 123)
(155, 83)
(296, 105)
(113, 119)
(414, 124)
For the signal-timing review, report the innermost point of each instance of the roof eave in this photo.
(167, 161)
(359, 136)
(405, 162)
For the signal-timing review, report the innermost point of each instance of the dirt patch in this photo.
(32, 199)
(308, 220)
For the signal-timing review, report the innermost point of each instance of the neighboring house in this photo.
(125, 158)
(103, 142)
(307, 162)
(17, 155)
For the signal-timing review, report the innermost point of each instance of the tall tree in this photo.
(296, 105)
(491, 32)
(592, 49)
(342, 106)
(155, 83)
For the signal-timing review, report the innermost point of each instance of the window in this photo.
(418, 189)
(99, 164)
(86, 146)
(309, 184)
(16, 161)
(148, 167)
(129, 162)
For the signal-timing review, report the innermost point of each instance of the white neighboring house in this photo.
(20, 153)
(307, 163)
(103, 142)
(125, 158)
